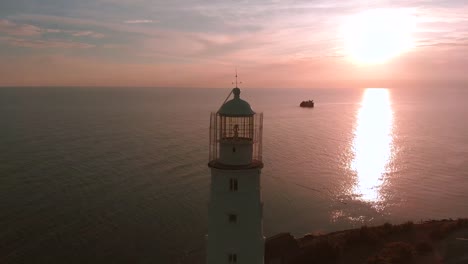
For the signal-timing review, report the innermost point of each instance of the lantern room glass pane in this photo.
(248, 131)
(236, 127)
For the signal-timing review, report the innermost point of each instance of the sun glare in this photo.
(376, 36)
(372, 144)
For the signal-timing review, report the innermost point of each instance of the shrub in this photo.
(462, 222)
(388, 226)
(436, 234)
(326, 252)
(364, 235)
(424, 248)
(443, 230)
(408, 226)
(387, 229)
(393, 253)
(368, 235)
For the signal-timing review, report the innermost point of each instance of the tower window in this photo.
(233, 185)
(232, 218)
(232, 258)
(233, 149)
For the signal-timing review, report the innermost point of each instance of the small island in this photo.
(309, 103)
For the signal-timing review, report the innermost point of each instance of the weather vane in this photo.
(236, 79)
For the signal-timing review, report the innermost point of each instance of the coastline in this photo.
(427, 242)
(434, 241)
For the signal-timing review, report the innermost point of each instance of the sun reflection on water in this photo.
(372, 144)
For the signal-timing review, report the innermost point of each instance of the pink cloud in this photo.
(15, 29)
(42, 44)
(27, 30)
(51, 30)
(140, 21)
(91, 34)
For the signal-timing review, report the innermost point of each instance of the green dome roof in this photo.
(236, 106)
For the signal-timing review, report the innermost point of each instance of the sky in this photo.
(199, 43)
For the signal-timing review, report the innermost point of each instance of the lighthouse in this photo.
(235, 231)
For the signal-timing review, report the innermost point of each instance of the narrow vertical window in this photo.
(232, 258)
(232, 218)
(233, 185)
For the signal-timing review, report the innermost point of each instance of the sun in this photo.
(376, 36)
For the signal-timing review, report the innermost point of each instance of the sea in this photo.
(120, 175)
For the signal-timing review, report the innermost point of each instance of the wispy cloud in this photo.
(44, 44)
(51, 30)
(140, 21)
(27, 30)
(35, 37)
(91, 34)
(11, 28)
(446, 44)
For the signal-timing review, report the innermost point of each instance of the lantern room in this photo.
(235, 135)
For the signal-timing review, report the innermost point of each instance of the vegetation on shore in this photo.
(441, 241)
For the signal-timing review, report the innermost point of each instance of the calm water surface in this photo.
(93, 175)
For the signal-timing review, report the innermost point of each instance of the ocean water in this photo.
(119, 175)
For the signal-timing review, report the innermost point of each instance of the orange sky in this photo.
(199, 44)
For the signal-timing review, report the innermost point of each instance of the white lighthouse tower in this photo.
(235, 232)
